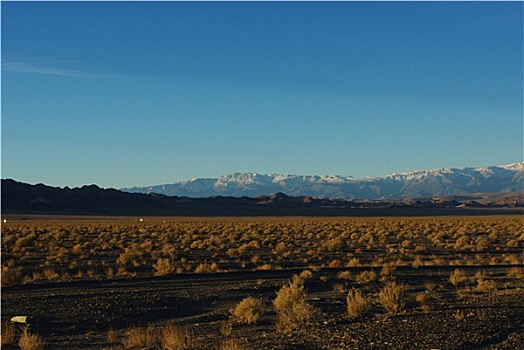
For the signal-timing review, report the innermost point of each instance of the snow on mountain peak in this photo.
(442, 181)
(514, 166)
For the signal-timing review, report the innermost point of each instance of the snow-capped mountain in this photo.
(436, 182)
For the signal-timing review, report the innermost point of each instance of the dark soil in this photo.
(78, 315)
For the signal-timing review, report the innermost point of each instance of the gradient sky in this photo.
(133, 93)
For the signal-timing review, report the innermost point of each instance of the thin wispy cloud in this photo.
(31, 68)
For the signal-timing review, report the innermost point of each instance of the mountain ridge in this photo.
(21, 198)
(434, 182)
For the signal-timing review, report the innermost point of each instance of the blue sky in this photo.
(135, 93)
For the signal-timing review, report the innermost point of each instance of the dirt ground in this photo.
(79, 315)
(98, 313)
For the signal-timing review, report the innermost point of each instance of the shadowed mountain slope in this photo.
(21, 198)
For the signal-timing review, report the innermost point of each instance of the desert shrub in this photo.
(232, 344)
(424, 301)
(305, 275)
(387, 270)
(339, 287)
(417, 262)
(111, 336)
(51, 274)
(163, 267)
(173, 337)
(457, 277)
(226, 327)
(335, 263)
(264, 267)
(81, 245)
(366, 277)
(357, 304)
(30, 341)
(248, 310)
(207, 268)
(483, 284)
(486, 286)
(511, 259)
(481, 244)
(11, 276)
(137, 337)
(8, 333)
(422, 298)
(110, 272)
(353, 262)
(458, 315)
(333, 244)
(281, 247)
(419, 248)
(344, 275)
(480, 275)
(516, 272)
(462, 243)
(393, 297)
(430, 286)
(292, 306)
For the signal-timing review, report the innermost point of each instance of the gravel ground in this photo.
(78, 315)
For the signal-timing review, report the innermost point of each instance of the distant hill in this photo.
(437, 182)
(21, 198)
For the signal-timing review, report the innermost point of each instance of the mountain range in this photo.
(21, 198)
(422, 183)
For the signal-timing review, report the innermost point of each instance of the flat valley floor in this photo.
(194, 272)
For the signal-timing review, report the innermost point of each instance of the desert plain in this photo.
(443, 282)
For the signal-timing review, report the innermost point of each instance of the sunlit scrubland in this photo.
(366, 264)
(66, 250)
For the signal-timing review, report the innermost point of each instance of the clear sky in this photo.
(139, 93)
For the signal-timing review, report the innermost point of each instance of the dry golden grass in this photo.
(393, 297)
(64, 251)
(11, 276)
(8, 333)
(366, 277)
(457, 277)
(75, 250)
(459, 315)
(357, 304)
(140, 338)
(111, 336)
(387, 271)
(305, 275)
(344, 275)
(484, 284)
(232, 344)
(422, 298)
(226, 327)
(516, 273)
(163, 266)
(249, 310)
(166, 337)
(30, 341)
(173, 337)
(292, 306)
(207, 268)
